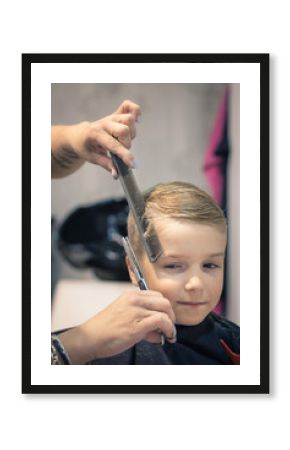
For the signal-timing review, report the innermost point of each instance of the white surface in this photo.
(145, 421)
(248, 372)
(77, 300)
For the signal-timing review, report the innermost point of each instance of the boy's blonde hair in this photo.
(176, 200)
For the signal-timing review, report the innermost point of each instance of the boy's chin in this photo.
(190, 321)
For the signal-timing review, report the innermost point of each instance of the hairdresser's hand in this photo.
(134, 316)
(72, 145)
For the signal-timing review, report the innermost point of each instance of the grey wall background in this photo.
(173, 134)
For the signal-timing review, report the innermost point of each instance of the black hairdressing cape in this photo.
(214, 341)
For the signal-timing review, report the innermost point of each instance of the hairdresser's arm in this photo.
(72, 145)
(134, 316)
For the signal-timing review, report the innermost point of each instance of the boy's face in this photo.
(189, 273)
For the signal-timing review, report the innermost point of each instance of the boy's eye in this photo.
(172, 266)
(211, 266)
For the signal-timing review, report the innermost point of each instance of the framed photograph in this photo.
(204, 125)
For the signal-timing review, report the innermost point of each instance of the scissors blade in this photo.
(134, 264)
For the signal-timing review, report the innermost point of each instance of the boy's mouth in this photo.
(191, 304)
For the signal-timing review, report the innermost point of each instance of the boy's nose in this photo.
(194, 283)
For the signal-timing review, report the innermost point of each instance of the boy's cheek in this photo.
(168, 289)
(157, 282)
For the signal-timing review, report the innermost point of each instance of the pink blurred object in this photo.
(213, 162)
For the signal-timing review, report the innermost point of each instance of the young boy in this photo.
(192, 231)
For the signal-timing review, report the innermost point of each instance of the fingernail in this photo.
(138, 118)
(134, 164)
(114, 174)
(174, 337)
(162, 340)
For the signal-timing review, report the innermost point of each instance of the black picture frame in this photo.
(263, 61)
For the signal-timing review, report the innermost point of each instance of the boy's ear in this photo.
(131, 273)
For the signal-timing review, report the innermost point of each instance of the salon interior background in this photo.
(172, 137)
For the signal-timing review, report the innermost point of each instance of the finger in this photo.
(119, 131)
(155, 337)
(150, 292)
(157, 321)
(129, 107)
(103, 161)
(128, 120)
(110, 144)
(157, 304)
(114, 173)
(97, 154)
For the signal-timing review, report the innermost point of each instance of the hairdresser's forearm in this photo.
(64, 158)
